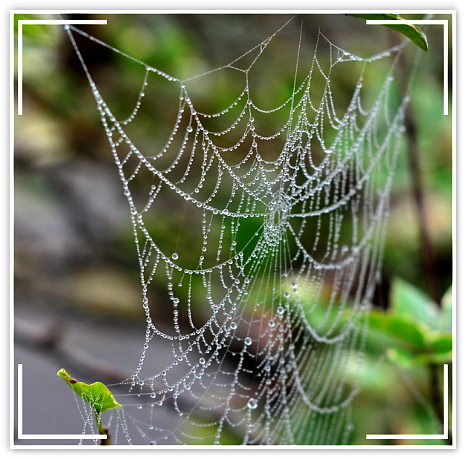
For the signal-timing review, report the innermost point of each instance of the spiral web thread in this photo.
(269, 283)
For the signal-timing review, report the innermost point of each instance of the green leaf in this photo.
(408, 301)
(97, 394)
(418, 331)
(440, 342)
(401, 357)
(402, 330)
(409, 30)
(446, 312)
(406, 359)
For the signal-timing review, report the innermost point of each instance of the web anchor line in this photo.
(281, 232)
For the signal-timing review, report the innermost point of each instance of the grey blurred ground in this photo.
(77, 303)
(71, 309)
(89, 350)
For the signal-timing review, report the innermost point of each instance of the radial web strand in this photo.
(274, 251)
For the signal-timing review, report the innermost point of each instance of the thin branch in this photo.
(419, 201)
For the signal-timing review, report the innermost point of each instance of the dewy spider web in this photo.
(270, 280)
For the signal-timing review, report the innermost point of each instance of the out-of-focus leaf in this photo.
(417, 330)
(402, 329)
(401, 357)
(440, 342)
(409, 30)
(445, 315)
(408, 301)
(407, 359)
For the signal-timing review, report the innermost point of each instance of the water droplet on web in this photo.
(248, 341)
(252, 404)
(202, 360)
(280, 310)
(174, 256)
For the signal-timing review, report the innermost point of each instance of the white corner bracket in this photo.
(20, 45)
(445, 45)
(22, 436)
(443, 436)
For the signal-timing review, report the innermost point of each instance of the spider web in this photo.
(273, 253)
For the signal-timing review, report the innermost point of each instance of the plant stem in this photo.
(418, 195)
(103, 430)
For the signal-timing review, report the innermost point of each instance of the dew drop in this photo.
(174, 256)
(252, 404)
(248, 341)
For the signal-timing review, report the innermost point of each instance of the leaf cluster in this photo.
(417, 331)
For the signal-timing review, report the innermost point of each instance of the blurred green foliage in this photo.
(406, 349)
(35, 34)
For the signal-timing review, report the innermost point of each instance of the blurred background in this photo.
(77, 298)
